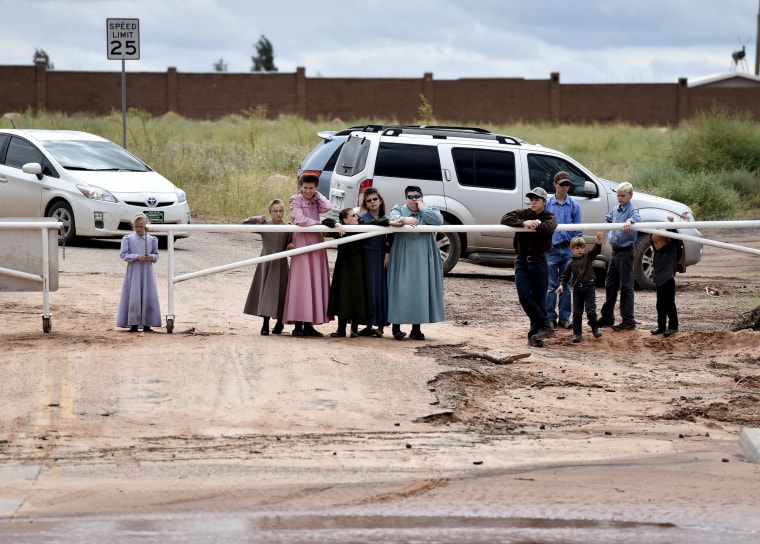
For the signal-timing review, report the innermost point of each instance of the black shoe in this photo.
(338, 334)
(278, 329)
(576, 338)
(133, 328)
(308, 330)
(604, 322)
(366, 331)
(596, 332)
(535, 343)
(565, 324)
(354, 334)
(399, 335)
(624, 326)
(297, 332)
(543, 333)
(658, 330)
(264, 331)
(147, 329)
(669, 332)
(416, 335)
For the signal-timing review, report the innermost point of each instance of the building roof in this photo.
(730, 79)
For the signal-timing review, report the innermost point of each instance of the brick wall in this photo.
(462, 101)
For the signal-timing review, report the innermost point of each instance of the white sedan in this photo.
(90, 184)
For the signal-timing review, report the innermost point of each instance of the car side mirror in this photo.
(590, 190)
(33, 168)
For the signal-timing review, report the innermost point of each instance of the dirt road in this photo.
(99, 427)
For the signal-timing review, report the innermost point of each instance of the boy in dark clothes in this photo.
(664, 277)
(531, 270)
(584, 284)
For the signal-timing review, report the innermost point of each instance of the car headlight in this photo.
(181, 196)
(96, 193)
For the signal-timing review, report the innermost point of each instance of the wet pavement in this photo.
(316, 528)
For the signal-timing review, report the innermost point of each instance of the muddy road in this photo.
(217, 432)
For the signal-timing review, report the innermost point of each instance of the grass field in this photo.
(231, 168)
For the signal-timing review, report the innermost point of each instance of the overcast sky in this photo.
(586, 41)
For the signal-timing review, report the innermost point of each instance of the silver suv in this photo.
(474, 177)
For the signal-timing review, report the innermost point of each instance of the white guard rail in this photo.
(367, 231)
(44, 277)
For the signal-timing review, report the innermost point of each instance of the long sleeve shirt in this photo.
(531, 243)
(567, 212)
(665, 262)
(621, 214)
(581, 268)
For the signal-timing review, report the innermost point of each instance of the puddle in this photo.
(322, 529)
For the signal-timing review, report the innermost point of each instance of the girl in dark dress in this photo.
(350, 292)
(378, 251)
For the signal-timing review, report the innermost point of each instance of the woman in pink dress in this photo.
(309, 279)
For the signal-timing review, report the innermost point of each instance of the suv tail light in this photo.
(364, 184)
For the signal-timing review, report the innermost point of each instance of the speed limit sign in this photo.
(123, 39)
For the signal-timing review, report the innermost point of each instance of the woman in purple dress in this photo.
(138, 306)
(308, 290)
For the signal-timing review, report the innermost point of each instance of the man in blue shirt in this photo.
(620, 270)
(567, 211)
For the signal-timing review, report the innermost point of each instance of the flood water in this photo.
(317, 529)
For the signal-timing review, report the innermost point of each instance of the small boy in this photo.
(664, 270)
(584, 284)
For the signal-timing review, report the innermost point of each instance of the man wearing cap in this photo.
(567, 211)
(531, 271)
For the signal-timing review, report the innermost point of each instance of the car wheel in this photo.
(450, 247)
(643, 263)
(61, 211)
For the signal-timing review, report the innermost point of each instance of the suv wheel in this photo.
(450, 247)
(643, 263)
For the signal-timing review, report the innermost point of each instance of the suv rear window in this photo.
(353, 156)
(485, 168)
(408, 161)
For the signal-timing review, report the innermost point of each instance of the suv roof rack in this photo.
(444, 132)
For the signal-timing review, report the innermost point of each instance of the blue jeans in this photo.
(531, 279)
(619, 278)
(557, 260)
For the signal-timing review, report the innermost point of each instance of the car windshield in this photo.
(93, 155)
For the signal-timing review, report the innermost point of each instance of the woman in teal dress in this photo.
(415, 272)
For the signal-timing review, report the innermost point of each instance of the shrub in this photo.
(716, 141)
(705, 193)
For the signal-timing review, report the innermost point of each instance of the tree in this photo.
(220, 66)
(264, 59)
(40, 54)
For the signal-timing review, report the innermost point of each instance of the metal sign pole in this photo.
(123, 43)
(123, 104)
